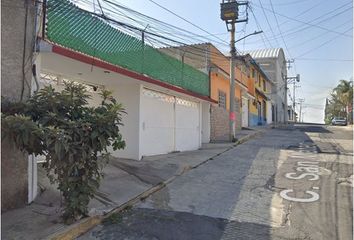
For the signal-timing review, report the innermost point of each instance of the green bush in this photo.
(71, 134)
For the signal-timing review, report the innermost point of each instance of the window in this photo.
(222, 99)
(253, 73)
(264, 86)
(260, 80)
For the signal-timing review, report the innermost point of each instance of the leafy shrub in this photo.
(71, 134)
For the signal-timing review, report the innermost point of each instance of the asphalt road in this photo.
(287, 184)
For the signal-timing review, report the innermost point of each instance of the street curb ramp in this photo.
(82, 226)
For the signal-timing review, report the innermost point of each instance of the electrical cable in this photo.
(320, 35)
(321, 45)
(184, 19)
(120, 24)
(270, 27)
(260, 28)
(293, 31)
(24, 52)
(305, 23)
(324, 59)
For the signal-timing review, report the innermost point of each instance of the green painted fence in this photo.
(71, 27)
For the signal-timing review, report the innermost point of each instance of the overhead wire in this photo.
(276, 19)
(270, 27)
(320, 35)
(167, 42)
(184, 19)
(260, 28)
(130, 28)
(321, 45)
(325, 59)
(305, 23)
(299, 29)
(166, 28)
(302, 13)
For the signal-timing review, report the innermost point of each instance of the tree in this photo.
(71, 134)
(340, 102)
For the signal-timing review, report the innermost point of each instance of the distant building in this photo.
(273, 63)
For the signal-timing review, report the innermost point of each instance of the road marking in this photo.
(314, 196)
(306, 170)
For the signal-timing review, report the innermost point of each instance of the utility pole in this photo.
(301, 101)
(229, 14)
(289, 62)
(232, 84)
(293, 80)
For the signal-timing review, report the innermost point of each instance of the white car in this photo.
(339, 121)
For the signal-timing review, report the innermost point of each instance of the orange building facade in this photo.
(207, 58)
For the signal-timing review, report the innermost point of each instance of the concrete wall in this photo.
(129, 96)
(16, 45)
(269, 112)
(14, 38)
(205, 122)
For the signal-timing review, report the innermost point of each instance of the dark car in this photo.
(339, 121)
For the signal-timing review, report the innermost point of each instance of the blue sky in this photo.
(317, 34)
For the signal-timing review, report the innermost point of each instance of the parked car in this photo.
(339, 121)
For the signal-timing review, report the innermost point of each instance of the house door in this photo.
(259, 108)
(244, 112)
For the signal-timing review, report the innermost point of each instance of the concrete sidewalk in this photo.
(125, 183)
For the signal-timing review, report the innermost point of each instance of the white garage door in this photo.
(168, 124)
(157, 118)
(187, 125)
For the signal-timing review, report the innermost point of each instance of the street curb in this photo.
(88, 223)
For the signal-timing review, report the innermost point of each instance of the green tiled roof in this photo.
(73, 28)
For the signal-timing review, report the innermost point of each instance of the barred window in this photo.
(253, 73)
(264, 86)
(222, 99)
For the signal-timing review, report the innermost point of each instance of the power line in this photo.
(292, 32)
(167, 26)
(291, 3)
(303, 12)
(281, 34)
(306, 23)
(260, 28)
(320, 35)
(184, 19)
(196, 50)
(265, 15)
(321, 45)
(324, 59)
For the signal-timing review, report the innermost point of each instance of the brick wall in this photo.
(238, 114)
(219, 124)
